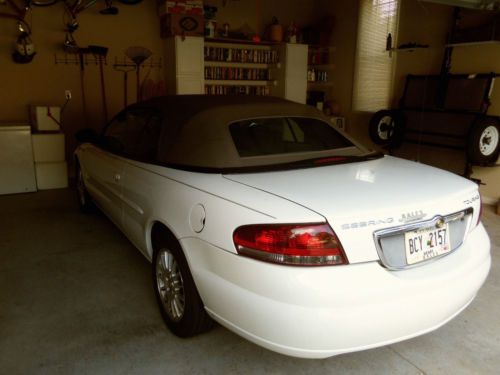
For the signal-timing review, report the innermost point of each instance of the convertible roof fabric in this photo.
(195, 128)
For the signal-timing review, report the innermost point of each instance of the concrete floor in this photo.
(76, 297)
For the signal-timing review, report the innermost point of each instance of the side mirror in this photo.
(87, 135)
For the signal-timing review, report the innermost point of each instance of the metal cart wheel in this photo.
(386, 128)
(484, 141)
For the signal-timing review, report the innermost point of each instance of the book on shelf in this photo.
(237, 90)
(230, 73)
(241, 55)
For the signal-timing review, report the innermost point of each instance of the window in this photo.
(284, 135)
(134, 133)
(374, 64)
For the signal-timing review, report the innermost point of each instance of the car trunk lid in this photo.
(358, 199)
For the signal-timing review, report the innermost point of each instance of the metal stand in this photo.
(125, 65)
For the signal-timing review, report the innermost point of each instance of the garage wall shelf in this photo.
(319, 72)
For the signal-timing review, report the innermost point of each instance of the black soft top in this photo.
(195, 129)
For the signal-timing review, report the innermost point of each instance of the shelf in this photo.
(466, 44)
(321, 66)
(236, 64)
(320, 83)
(321, 48)
(218, 43)
(226, 41)
(409, 49)
(238, 82)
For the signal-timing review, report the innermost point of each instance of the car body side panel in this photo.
(153, 193)
(102, 173)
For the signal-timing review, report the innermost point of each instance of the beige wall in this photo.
(482, 59)
(421, 22)
(257, 14)
(424, 23)
(43, 82)
(428, 24)
(344, 40)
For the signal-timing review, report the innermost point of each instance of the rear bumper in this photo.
(317, 312)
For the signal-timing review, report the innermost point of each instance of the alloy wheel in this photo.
(170, 285)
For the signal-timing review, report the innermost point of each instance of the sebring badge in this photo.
(412, 216)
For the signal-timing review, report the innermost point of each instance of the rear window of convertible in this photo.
(283, 135)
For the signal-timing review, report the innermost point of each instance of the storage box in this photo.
(51, 175)
(172, 7)
(48, 147)
(194, 7)
(17, 170)
(45, 118)
(182, 24)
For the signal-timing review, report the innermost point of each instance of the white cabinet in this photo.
(185, 65)
(48, 147)
(292, 74)
(17, 171)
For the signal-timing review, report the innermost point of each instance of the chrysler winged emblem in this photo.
(440, 223)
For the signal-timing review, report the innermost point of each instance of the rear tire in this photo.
(484, 141)
(180, 304)
(386, 128)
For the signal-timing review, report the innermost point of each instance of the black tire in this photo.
(180, 304)
(386, 128)
(483, 145)
(85, 202)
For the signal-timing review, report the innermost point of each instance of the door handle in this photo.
(117, 177)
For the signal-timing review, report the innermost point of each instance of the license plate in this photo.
(428, 243)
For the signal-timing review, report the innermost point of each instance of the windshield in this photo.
(285, 135)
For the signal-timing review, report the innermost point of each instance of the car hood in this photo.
(359, 198)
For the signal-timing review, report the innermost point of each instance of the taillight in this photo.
(293, 244)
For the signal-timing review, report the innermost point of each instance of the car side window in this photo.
(134, 133)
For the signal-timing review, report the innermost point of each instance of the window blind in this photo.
(374, 65)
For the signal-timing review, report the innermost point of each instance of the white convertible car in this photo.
(257, 214)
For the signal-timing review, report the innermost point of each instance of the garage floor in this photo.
(76, 297)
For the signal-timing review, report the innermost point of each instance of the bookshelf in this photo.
(231, 67)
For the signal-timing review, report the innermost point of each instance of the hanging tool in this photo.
(100, 54)
(81, 59)
(125, 69)
(138, 55)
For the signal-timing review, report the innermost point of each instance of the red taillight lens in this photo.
(294, 244)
